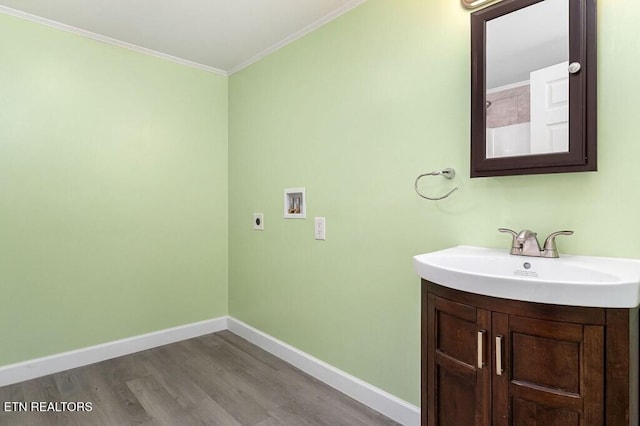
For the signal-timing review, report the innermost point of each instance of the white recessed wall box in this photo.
(295, 203)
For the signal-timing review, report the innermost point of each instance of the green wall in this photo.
(113, 192)
(354, 112)
(114, 218)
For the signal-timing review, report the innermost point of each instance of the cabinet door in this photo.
(456, 358)
(552, 372)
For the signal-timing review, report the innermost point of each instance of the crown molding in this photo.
(108, 40)
(145, 51)
(298, 34)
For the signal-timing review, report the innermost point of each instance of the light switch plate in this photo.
(320, 228)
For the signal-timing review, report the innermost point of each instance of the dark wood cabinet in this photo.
(491, 361)
(453, 360)
(553, 372)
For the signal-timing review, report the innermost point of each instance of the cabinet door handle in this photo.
(499, 355)
(481, 348)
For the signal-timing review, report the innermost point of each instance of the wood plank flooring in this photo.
(217, 379)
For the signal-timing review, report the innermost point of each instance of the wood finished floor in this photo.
(217, 379)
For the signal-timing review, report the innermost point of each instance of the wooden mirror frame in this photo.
(582, 97)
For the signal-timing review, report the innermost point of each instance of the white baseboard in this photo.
(371, 396)
(39, 367)
(381, 401)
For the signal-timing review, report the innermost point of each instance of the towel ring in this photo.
(448, 173)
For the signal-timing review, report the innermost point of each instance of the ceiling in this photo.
(219, 35)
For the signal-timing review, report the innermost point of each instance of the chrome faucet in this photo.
(526, 243)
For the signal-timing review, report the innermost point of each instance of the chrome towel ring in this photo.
(448, 173)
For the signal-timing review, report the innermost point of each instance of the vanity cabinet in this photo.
(492, 361)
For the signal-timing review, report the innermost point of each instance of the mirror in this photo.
(533, 70)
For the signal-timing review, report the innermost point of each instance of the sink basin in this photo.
(568, 280)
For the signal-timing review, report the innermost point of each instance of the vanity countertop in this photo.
(604, 282)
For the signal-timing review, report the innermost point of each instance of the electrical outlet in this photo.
(258, 221)
(320, 228)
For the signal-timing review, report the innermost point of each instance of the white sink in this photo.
(568, 280)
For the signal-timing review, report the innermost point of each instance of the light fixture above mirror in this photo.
(474, 4)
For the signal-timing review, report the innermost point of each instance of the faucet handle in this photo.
(515, 247)
(550, 248)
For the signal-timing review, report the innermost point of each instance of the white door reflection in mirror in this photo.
(550, 109)
(527, 54)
